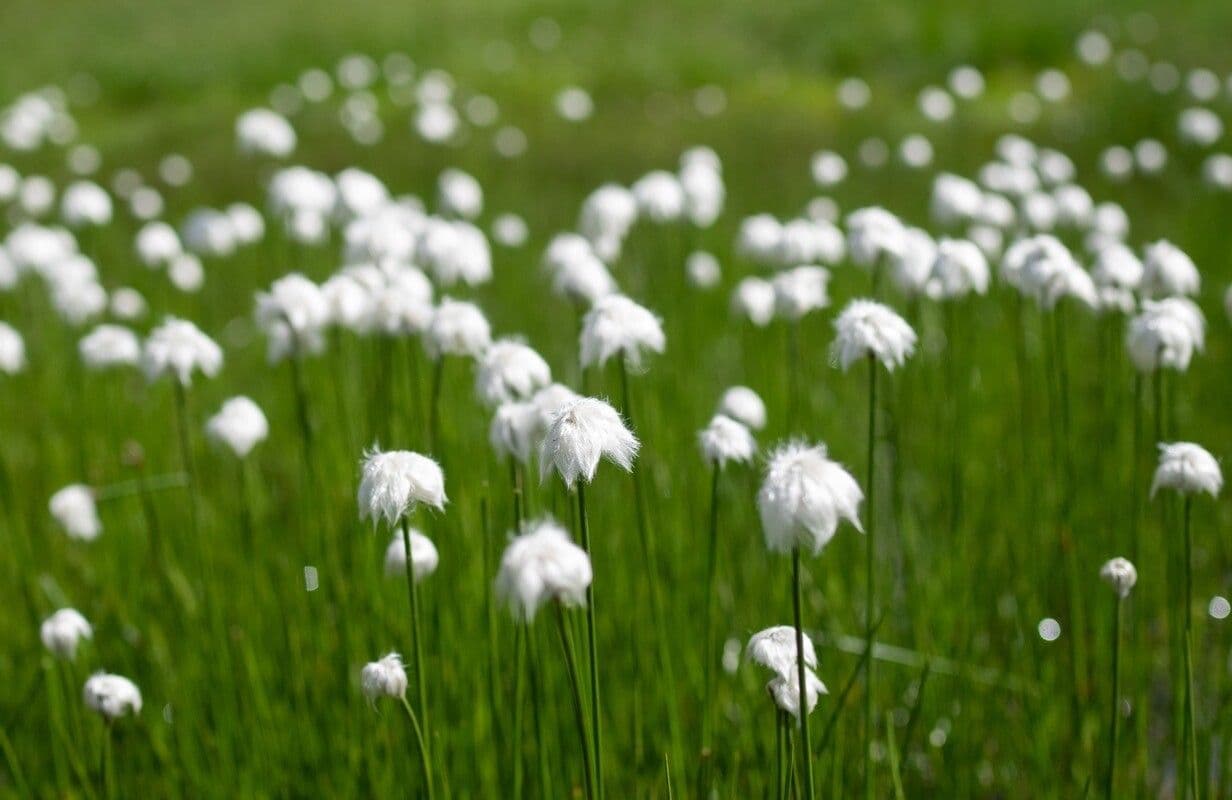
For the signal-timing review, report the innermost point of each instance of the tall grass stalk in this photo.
(566, 643)
(708, 701)
(869, 586)
(806, 750)
(421, 694)
(425, 764)
(1191, 738)
(1115, 721)
(592, 649)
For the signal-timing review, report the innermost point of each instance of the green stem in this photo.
(105, 774)
(708, 703)
(778, 753)
(416, 645)
(870, 533)
(566, 642)
(424, 763)
(806, 757)
(519, 681)
(1191, 738)
(1114, 726)
(186, 456)
(591, 647)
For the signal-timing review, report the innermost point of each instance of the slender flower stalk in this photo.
(566, 642)
(592, 650)
(421, 693)
(1121, 575)
(870, 590)
(806, 749)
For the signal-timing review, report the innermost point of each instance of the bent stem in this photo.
(806, 755)
(566, 642)
(420, 691)
(424, 764)
(591, 648)
(870, 532)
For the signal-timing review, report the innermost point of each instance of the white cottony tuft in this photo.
(800, 290)
(868, 328)
(873, 233)
(581, 433)
(616, 325)
(510, 370)
(1168, 271)
(1187, 468)
(724, 440)
(261, 131)
(458, 328)
(803, 498)
(63, 631)
(73, 507)
(395, 482)
(549, 400)
(959, 268)
(516, 429)
(109, 346)
(12, 350)
(239, 425)
(179, 348)
(744, 405)
(542, 565)
(384, 678)
(293, 315)
(1165, 334)
(113, 696)
(754, 299)
(1120, 574)
(424, 557)
(775, 649)
(785, 691)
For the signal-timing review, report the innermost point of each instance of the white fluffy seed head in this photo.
(873, 233)
(1188, 468)
(113, 696)
(63, 631)
(261, 131)
(458, 328)
(109, 346)
(800, 290)
(384, 678)
(293, 315)
(424, 557)
(616, 325)
(158, 244)
(179, 348)
(754, 299)
(581, 433)
(804, 497)
(509, 370)
(394, 482)
(1168, 271)
(775, 649)
(542, 565)
(1117, 273)
(744, 405)
(1120, 574)
(785, 689)
(724, 440)
(73, 507)
(239, 425)
(959, 269)
(515, 430)
(1165, 334)
(869, 328)
(12, 350)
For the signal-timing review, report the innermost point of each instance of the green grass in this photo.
(251, 683)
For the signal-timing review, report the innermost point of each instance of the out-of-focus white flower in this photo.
(1151, 156)
(955, 199)
(509, 370)
(357, 194)
(299, 190)
(743, 405)
(239, 425)
(246, 222)
(616, 325)
(186, 273)
(384, 678)
(458, 328)
(868, 328)
(775, 649)
(179, 347)
(1120, 574)
(12, 350)
(800, 290)
(914, 262)
(394, 482)
(704, 192)
(515, 429)
(63, 631)
(959, 269)
(577, 273)
(987, 238)
(158, 244)
(460, 194)
(113, 696)
(1199, 126)
(758, 238)
(803, 498)
(264, 132)
(607, 213)
(436, 122)
(1075, 207)
(109, 346)
(660, 197)
(293, 315)
(806, 241)
(424, 557)
(966, 81)
(1187, 468)
(400, 302)
(581, 433)
(754, 299)
(73, 507)
(1043, 268)
(1117, 274)
(573, 103)
(724, 440)
(1168, 270)
(540, 566)
(85, 204)
(702, 269)
(208, 233)
(828, 168)
(509, 230)
(455, 251)
(785, 689)
(1165, 334)
(549, 401)
(873, 233)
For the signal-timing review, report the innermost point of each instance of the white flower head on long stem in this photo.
(724, 440)
(1188, 468)
(744, 405)
(510, 370)
(395, 482)
(1117, 274)
(109, 346)
(549, 400)
(616, 325)
(179, 348)
(113, 696)
(63, 631)
(293, 315)
(869, 328)
(1165, 334)
(424, 557)
(542, 565)
(581, 433)
(239, 425)
(384, 678)
(959, 269)
(754, 299)
(458, 328)
(799, 290)
(775, 649)
(873, 233)
(1120, 574)
(785, 691)
(1168, 271)
(804, 497)
(515, 430)
(73, 507)
(12, 350)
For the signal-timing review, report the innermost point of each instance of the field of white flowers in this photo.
(640, 402)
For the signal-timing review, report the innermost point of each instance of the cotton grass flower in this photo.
(260, 131)
(12, 350)
(73, 507)
(515, 430)
(109, 346)
(458, 328)
(239, 425)
(509, 370)
(868, 328)
(384, 678)
(1188, 468)
(395, 482)
(754, 299)
(786, 694)
(803, 498)
(800, 290)
(744, 405)
(293, 315)
(775, 649)
(1165, 334)
(1120, 574)
(113, 696)
(424, 556)
(540, 566)
(1168, 271)
(179, 348)
(583, 432)
(616, 325)
(724, 439)
(63, 631)
(873, 233)
(959, 269)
